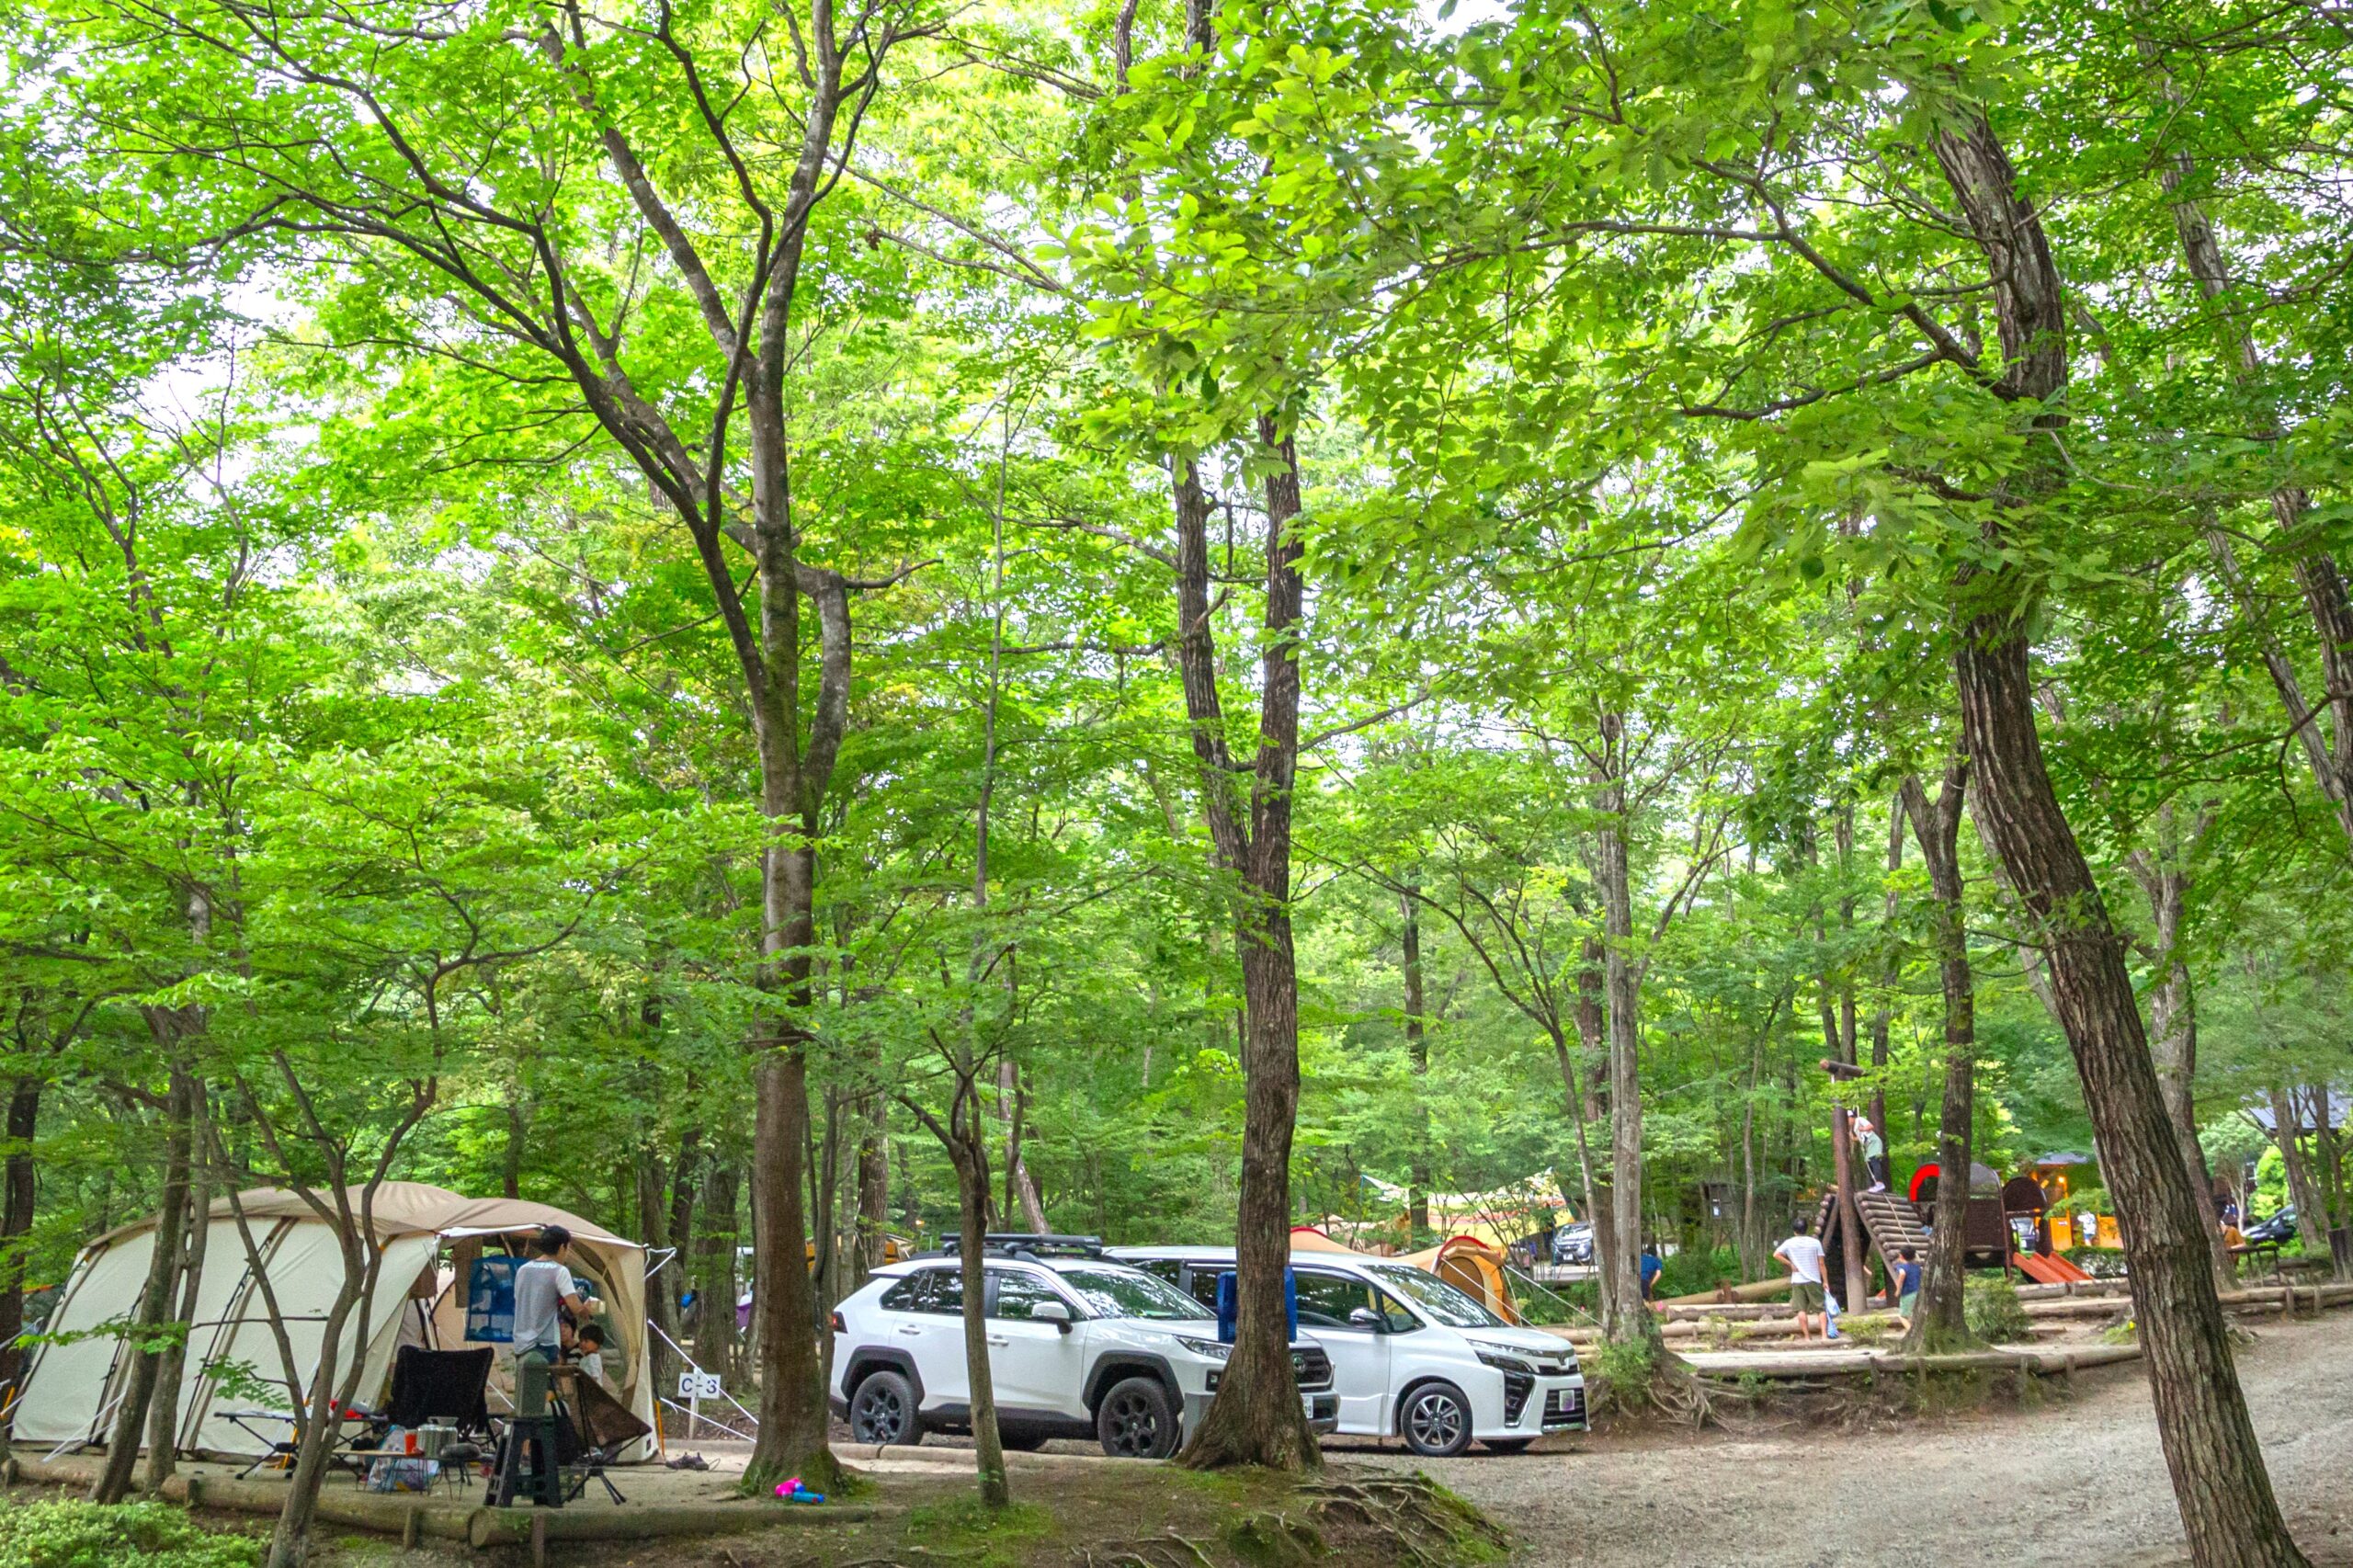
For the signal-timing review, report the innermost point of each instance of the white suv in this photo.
(1412, 1357)
(1078, 1347)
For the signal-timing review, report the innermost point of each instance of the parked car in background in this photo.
(2280, 1226)
(1572, 1244)
(1412, 1357)
(1079, 1346)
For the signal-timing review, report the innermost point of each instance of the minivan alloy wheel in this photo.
(1437, 1421)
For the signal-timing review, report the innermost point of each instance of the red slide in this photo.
(2051, 1270)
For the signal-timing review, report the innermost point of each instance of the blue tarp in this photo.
(490, 1300)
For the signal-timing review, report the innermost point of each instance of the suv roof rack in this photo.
(1031, 1244)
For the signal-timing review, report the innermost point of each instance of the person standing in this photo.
(543, 1292)
(1874, 1149)
(1803, 1254)
(1652, 1266)
(1903, 1284)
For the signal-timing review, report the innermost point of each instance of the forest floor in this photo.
(2070, 1475)
(2073, 1478)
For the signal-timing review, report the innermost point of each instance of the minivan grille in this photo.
(1310, 1367)
(1518, 1386)
(1562, 1406)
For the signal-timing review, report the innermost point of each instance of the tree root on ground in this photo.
(1430, 1524)
(1676, 1392)
(1169, 1551)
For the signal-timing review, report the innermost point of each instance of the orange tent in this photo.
(1307, 1238)
(1466, 1263)
(1471, 1267)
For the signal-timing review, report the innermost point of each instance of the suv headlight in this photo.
(1208, 1350)
(1503, 1363)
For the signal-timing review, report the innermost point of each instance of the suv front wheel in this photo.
(1135, 1420)
(882, 1411)
(1436, 1421)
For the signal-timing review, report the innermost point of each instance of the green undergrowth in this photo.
(970, 1532)
(1994, 1314)
(75, 1534)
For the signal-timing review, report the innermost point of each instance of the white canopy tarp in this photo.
(73, 1382)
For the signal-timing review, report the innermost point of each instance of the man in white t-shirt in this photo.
(1803, 1254)
(542, 1291)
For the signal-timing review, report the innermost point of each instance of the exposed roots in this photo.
(1428, 1524)
(1169, 1551)
(1643, 1378)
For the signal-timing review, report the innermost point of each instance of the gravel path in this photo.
(2078, 1481)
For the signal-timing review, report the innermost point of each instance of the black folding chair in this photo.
(601, 1426)
(449, 1386)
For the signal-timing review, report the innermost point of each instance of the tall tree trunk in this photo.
(1840, 1046)
(874, 1184)
(717, 1339)
(794, 1420)
(16, 1222)
(1601, 1194)
(1625, 1317)
(1889, 974)
(171, 1363)
(1418, 1057)
(289, 1539)
(154, 1303)
(2304, 1189)
(2229, 1513)
(968, 1147)
(652, 1182)
(1939, 1321)
(2172, 1020)
(1023, 1193)
(1255, 1417)
(2329, 1153)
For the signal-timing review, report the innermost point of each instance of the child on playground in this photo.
(1803, 1254)
(1903, 1284)
(1874, 1149)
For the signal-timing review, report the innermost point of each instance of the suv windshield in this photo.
(1124, 1293)
(1434, 1296)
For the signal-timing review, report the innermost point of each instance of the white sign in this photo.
(700, 1385)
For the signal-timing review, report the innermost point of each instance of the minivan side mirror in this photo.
(1055, 1313)
(1365, 1317)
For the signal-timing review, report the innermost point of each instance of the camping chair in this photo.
(442, 1385)
(350, 1451)
(602, 1427)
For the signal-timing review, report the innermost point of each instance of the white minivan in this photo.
(1078, 1347)
(1412, 1356)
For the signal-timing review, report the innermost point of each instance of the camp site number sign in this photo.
(700, 1385)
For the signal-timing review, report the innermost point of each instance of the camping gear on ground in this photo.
(399, 1467)
(352, 1452)
(70, 1385)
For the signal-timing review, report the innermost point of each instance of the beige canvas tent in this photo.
(430, 1238)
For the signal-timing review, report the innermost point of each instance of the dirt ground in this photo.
(2078, 1480)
